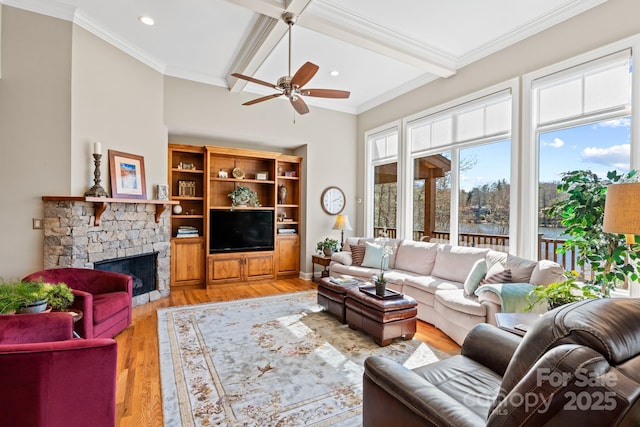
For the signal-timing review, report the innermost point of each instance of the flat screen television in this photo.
(240, 230)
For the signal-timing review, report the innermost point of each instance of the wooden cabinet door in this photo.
(225, 268)
(259, 266)
(187, 261)
(288, 255)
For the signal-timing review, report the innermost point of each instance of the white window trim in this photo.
(527, 232)
(388, 129)
(407, 157)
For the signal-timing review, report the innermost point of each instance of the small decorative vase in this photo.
(327, 251)
(282, 194)
(381, 287)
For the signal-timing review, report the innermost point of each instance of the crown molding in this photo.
(529, 29)
(53, 9)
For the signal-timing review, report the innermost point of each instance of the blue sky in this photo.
(598, 147)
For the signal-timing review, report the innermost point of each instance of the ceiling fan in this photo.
(292, 87)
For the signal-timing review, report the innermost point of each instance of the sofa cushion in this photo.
(343, 257)
(416, 256)
(476, 275)
(521, 268)
(547, 272)
(106, 305)
(350, 241)
(457, 301)
(455, 262)
(373, 256)
(357, 254)
(496, 274)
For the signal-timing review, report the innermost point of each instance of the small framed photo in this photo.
(162, 192)
(223, 174)
(186, 166)
(263, 176)
(186, 188)
(290, 173)
(127, 175)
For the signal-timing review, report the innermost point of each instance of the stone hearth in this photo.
(72, 240)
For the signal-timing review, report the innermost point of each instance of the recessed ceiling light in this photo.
(335, 73)
(146, 20)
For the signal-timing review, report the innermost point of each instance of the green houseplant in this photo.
(20, 296)
(564, 292)
(243, 196)
(327, 246)
(59, 296)
(582, 213)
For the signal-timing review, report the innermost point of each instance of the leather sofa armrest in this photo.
(490, 346)
(395, 395)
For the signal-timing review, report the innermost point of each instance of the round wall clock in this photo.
(332, 200)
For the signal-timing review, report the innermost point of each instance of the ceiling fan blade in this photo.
(304, 74)
(264, 98)
(326, 93)
(299, 104)
(253, 80)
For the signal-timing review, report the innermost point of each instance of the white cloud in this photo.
(616, 156)
(557, 143)
(615, 123)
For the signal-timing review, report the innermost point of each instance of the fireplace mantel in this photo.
(100, 203)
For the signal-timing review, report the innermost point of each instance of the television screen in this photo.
(241, 230)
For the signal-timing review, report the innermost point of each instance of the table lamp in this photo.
(342, 223)
(622, 210)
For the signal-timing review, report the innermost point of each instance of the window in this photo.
(581, 121)
(478, 133)
(383, 150)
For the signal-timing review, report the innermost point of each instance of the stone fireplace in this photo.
(80, 233)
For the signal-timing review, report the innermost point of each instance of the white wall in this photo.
(116, 100)
(35, 119)
(602, 25)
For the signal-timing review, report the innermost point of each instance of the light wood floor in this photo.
(139, 401)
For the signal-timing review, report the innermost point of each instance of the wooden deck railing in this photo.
(547, 246)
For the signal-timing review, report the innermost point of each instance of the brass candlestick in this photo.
(96, 190)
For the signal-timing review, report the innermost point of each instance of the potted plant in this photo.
(59, 296)
(582, 212)
(22, 297)
(327, 246)
(243, 196)
(564, 292)
(378, 279)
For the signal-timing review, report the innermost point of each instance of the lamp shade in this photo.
(622, 209)
(342, 223)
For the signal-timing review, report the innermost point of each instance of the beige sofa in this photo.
(435, 275)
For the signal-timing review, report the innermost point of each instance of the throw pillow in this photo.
(497, 274)
(373, 257)
(357, 254)
(476, 274)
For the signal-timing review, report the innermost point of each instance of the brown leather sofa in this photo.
(578, 365)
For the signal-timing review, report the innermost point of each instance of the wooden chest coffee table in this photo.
(383, 318)
(331, 296)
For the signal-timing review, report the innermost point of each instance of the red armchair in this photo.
(103, 296)
(49, 379)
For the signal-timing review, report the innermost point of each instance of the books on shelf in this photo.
(187, 231)
(286, 231)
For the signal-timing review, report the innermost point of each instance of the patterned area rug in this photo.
(274, 361)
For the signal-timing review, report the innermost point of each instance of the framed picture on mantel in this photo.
(127, 175)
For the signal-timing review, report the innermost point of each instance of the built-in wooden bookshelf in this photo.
(212, 173)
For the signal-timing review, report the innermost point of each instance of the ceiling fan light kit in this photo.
(291, 87)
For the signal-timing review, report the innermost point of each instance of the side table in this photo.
(322, 260)
(76, 315)
(516, 323)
